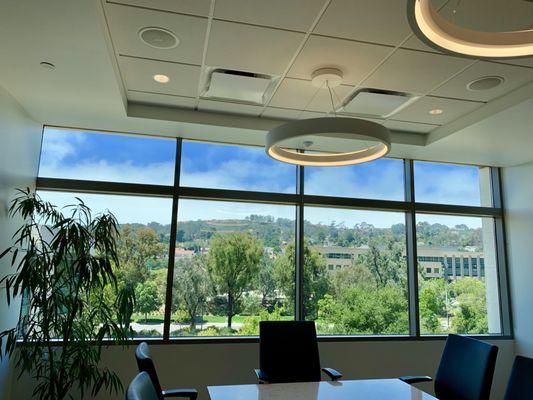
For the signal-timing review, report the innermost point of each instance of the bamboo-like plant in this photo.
(64, 262)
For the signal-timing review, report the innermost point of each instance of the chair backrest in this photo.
(520, 384)
(288, 351)
(466, 369)
(141, 388)
(146, 364)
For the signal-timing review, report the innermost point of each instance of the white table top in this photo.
(372, 389)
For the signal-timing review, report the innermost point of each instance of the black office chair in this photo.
(288, 352)
(520, 386)
(146, 364)
(465, 371)
(141, 388)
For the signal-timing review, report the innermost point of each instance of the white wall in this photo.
(201, 365)
(20, 140)
(518, 201)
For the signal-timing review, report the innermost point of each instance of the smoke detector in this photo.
(326, 77)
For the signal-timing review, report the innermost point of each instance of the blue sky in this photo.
(134, 159)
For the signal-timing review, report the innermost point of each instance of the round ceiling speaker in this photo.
(485, 83)
(158, 38)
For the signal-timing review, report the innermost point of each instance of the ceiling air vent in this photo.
(238, 86)
(377, 103)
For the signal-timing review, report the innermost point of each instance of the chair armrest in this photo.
(415, 379)
(261, 376)
(333, 375)
(191, 394)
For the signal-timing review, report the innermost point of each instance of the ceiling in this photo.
(104, 73)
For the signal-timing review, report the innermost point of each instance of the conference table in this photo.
(368, 389)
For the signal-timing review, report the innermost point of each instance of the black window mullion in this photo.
(172, 244)
(299, 306)
(412, 258)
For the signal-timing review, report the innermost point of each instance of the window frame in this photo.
(409, 206)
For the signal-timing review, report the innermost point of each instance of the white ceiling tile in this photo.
(353, 58)
(126, 22)
(195, 7)
(376, 21)
(452, 109)
(281, 113)
(251, 48)
(415, 71)
(286, 14)
(414, 43)
(409, 126)
(138, 75)
(311, 114)
(231, 108)
(161, 99)
(514, 77)
(293, 93)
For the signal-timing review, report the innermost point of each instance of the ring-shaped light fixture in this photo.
(331, 128)
(443, 35)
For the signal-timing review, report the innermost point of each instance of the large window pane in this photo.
(234, 267)
(381, 180)
(452, 184)
(355, 271)
(217, 166)
(458, 284)
(142, 249)
(71, 154)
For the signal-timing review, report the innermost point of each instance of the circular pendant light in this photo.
(315, 141)
(364, 140)
(446, 36)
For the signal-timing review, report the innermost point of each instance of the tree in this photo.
(471, 312)
(191, 287)
(135, 248)
(387, 265)
(232, 264)
(432, 302)
(147, 298)
(265, 282)
(315, 279)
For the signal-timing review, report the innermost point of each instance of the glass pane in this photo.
(142, 249)
(234, 267)
(71, 154)
(381, 180)
(452, 184)
(218, 166)
(458, 282)
(355, 271)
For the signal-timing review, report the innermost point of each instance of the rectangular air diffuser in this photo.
(377, 103)
(237, 86)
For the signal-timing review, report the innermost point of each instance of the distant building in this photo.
(183, 253)
(436, 263)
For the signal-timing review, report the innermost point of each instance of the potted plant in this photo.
(64, 265)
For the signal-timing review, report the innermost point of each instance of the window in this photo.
(346, 249)
(459, 302)
(95, 156)
(381, 179)
(367, 294)
(216, 166)
(452, 184)
(143, 247)
(238, 268)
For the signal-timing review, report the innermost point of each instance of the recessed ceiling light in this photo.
(47, 65)
(436, 111)
(485, 83)
(160, 78)
(158, 38)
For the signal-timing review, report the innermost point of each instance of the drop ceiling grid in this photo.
(307, 37)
